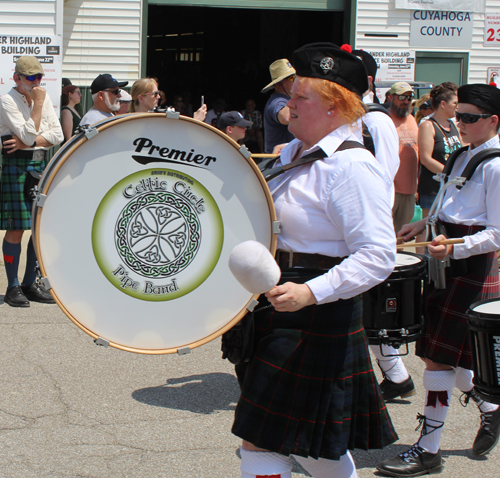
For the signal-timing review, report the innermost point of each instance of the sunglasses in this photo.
(155, 93)
(115, 92)
(38, 76)
(404, 97)
(469, 118)
(291, 78)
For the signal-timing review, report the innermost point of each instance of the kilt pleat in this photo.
(309, 388)
(15, 209)
(446, 339)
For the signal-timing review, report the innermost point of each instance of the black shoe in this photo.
(489, 431)
(15, 297)
(391, 390)
(415, 462)
(37, 293)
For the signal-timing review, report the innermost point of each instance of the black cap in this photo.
(368, 60)
(104, 82)
(233, 118)
(328, 62)
(484, 96)
(66, 82)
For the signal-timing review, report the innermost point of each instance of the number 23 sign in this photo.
(492, 29)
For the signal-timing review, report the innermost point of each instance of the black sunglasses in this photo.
(115, 92)
(38, 76)
(405, 97)
(469, 118)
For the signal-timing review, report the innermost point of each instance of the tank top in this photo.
(76, 119)
(445, 142)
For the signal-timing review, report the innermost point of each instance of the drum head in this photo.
(136, 229)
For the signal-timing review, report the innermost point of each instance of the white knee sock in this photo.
(265, 463)
(439, 386)
(393, 367)
(464, 384)
(323, 468)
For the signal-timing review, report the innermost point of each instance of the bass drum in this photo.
(134, 224)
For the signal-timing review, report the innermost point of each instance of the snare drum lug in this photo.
(244, 151)
(276, 227)
(252, 304)
(173, 114)
(45, 281)
(91, 132)
(40, 199)
(184, 350)
(102, 342)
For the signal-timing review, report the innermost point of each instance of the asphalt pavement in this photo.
(70, 408)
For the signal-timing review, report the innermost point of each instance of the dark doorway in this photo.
(226, 53)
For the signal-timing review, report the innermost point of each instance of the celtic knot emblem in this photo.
(326, 64)
(158, 234)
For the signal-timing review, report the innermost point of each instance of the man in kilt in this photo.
(29, 127)
(309, 389)
(471, 212)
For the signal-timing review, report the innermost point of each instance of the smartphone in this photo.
(202, 100)
(5, 137)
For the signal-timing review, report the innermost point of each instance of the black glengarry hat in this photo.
(481, 95)
(328, 62)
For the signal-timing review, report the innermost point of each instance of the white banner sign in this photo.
(394, 65)
(436, 29)
(446, 5)
(46, 48)
(492, 30)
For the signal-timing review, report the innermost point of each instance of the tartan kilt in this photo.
(15, 209)
(446, 339)
(309, 388)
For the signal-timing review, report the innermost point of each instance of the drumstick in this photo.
(264, 155)
(423, 244)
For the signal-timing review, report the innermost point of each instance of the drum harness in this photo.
(432, 226)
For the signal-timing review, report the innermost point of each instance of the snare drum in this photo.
(484, 326)
(392, 311)
(134, 224)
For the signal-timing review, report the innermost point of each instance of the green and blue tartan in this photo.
(15, 208)
(309, 388)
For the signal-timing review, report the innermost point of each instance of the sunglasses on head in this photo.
(115, 92)
(404, 97)
(469, 118)
(38, 76)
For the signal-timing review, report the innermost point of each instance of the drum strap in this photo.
(308, 158)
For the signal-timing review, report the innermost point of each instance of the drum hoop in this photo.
(101, 127)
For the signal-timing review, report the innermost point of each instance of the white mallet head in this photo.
(254, 267)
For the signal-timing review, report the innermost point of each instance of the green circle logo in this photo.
(157, 235)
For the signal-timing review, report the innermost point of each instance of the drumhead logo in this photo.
(157, 235)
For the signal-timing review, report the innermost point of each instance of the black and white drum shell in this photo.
(134, 226)
(392, 311)
(484, 326)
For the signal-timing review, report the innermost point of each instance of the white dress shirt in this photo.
(477, 203)
(15, 118)
(337, 206)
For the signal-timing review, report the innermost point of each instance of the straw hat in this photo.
(280, 69)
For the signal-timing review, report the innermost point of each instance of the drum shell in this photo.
(484, 329)
(396, 304)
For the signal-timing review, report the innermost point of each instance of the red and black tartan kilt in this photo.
(446, 340)
(309, 388)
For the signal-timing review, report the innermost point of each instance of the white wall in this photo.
(33, 17)
(381, 16)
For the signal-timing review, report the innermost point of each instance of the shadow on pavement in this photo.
(203, 393)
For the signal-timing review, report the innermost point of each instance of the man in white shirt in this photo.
(106, 97)
(29, 127)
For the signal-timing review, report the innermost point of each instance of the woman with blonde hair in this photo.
(309, 389)
(424, 108)
(145, 95)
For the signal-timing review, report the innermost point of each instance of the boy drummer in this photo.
(473, 213)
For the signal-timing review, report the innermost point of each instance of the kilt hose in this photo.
(446, 339)
(15, 208)
(309, 388)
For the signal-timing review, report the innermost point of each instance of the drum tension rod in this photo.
(184, 350)
(102, 342)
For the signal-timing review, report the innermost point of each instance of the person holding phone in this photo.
(29, 127)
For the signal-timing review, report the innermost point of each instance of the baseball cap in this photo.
(233, 118)
(104, 82)
(28, 65)
(125, 97)
(400, 88)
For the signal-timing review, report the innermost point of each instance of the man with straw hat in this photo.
(276, 113)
